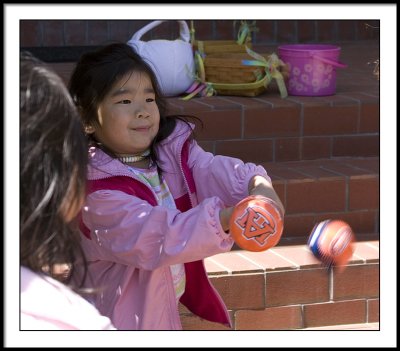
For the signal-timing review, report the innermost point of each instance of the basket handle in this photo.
(333, 63)
(183, 30)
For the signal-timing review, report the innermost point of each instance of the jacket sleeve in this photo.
(222, 176)
(128, 230)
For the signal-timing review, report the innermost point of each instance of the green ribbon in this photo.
(200, 86)
(271, 69)
(244, 32)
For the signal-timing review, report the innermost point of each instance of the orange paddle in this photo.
(256, 223)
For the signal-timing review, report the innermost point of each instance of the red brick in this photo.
(315, 196)
(272, 122)
(218, 103)
(276, 102)
(371, 164)
(333, 313)
(315, 147)
(356, 146)
(369, 118)
(325, 30)
(360, 221)
(248, 103)
(287, 149)
(362, 98)
(317, 172)
(358, 281)
(306, 31)
(165, 30)
(220, 125)
(98, 32)
(330, 121)
(30, 33)
(373, 310)
(274, 318)
(203, 29)
(339, 100)
(297, 228)
(299, 225)
(192, 107)
(280, 189)
(266, 31)
(241, 291)
(280, 171)
(256, 151)
(120, 30)
(346, 30)
(297, 287)
(286, 31)
(225, 30)
(53, 33)
(193, 322)
(364, 193)
(310, 101)
(345, 169)
(207, 146)
(75, 33)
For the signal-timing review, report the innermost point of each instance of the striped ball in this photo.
(331, 241)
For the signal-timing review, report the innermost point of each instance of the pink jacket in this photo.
(130, 242)
(47, 304)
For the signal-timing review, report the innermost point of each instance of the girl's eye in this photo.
(150, 100)
(124, 102)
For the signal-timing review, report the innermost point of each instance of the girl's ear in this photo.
(89, 129)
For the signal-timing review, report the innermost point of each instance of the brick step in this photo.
(270, 129)
(287, 288)
(341, 188)
(267, 128)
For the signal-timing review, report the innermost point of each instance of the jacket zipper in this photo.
(184, 176)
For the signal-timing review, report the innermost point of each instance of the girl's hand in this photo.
(260, 186)
(225, 217)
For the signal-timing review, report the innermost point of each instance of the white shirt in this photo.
(47, 304)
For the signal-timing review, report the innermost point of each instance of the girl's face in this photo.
(128, 116)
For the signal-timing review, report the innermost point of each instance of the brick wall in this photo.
(54, 33)
(286, 288)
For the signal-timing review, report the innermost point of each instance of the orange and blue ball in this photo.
(332, 242)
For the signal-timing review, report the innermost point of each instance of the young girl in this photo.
(157, 203)
(52, 190)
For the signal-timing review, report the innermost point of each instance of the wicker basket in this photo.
(228, 74)
(228, 68)
(219, 46)
(242, 89)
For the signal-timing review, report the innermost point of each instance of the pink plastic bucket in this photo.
(312, 68)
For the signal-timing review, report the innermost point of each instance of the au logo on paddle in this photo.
(257, 224)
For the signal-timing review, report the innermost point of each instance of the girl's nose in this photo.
(142, 113)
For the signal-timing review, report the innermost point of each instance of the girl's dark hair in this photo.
(53, 166)
(96, 73)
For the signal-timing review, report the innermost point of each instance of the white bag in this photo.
(172, 61)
